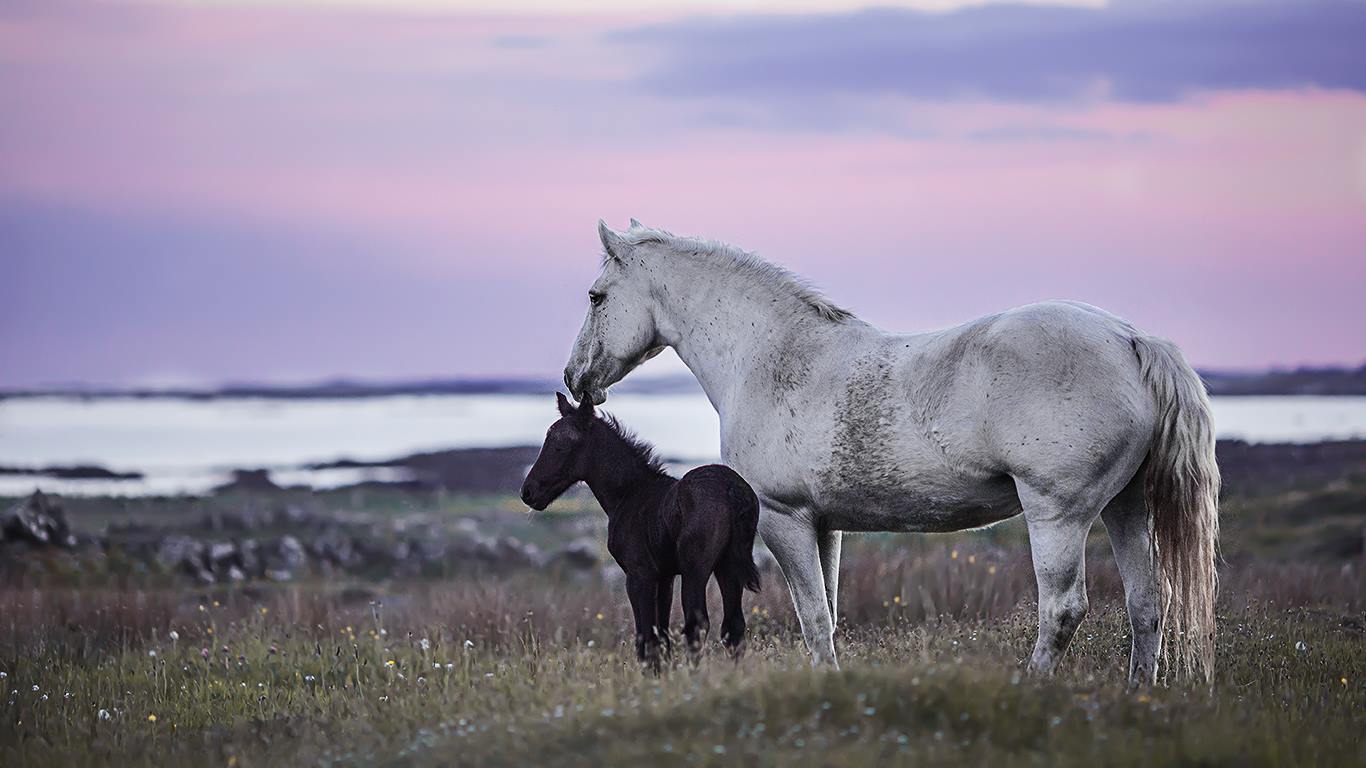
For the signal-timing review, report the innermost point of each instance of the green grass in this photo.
(535, 668)
(320, 678)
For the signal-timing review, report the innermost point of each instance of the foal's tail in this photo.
(744, 523)
(1182, 493)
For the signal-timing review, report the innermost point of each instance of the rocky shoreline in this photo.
(276, 542)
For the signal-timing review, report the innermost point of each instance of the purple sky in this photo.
(300, 189)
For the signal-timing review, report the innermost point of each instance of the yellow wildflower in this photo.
(151, 718)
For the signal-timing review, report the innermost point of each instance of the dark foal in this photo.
(658, 527)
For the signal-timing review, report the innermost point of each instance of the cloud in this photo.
(1136, 52)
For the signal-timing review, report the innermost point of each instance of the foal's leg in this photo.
(642, 592)
(829, 542)
(696, 625)
(792, 540)
(664, 604)
(1126, 519)
(733, 611)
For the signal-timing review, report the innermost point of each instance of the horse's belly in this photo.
(924, 510)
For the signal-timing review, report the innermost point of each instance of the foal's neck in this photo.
(622, 477)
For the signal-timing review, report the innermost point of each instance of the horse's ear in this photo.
(585, 411)
(566, 407)
(611, 241)
(636, 225)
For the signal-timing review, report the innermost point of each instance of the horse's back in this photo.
(716, 486)
(1036, 388)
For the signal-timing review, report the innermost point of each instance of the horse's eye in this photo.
(595, 298)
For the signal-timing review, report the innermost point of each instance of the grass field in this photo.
(533, 669)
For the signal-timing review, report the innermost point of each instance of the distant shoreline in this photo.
(1329, 382)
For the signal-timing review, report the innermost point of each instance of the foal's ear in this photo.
(585, 411)
(636, 225)
(612, 243)
(566, 408)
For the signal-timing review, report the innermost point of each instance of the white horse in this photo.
(1057, 410)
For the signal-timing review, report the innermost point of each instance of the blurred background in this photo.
(286, 287)
(301, 236)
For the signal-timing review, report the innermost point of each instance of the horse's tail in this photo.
(744, 523)
(1181, 489)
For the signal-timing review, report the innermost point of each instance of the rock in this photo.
(249, 481)
(578, 555)
(39, 521)
(187, 555)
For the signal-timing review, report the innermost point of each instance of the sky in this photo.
(294, 190)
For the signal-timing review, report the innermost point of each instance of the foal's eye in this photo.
(595, 297)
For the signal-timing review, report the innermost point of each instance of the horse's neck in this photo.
(720, 324)
(622, 481)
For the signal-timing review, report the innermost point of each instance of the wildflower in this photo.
(1301, 646)
(151, 718)
(35, 689)
(469, 643)
(43, 697)
(599, 617)
(215, 603)
(204, 652)
(425, 644)
(152, 653)
(3, 675)
(174, 635)
(273, 650)
(449, 666)
(390, 663)
(1344, 682)
(897, 599)
(953, 555)
(202, 608)
(308, 678)
(991, 569)
(264, 610)
(104, 714)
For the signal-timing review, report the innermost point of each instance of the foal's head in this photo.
(564, 458)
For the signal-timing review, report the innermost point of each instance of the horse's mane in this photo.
(637, 444)
(743, 262)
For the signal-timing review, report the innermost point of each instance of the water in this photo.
(188, 446)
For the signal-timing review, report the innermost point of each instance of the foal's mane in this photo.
(638, 445)
(741, 262)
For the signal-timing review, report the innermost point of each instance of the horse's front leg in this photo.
(642, 591)
(791, 537)
(664, 601)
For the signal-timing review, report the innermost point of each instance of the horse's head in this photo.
(619, 332)
(564, 456)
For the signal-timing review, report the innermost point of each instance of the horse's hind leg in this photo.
(1126, 520)
(1057, 542)
(733, 612)
(696, 625)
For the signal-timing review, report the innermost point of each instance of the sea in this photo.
(188, 446)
